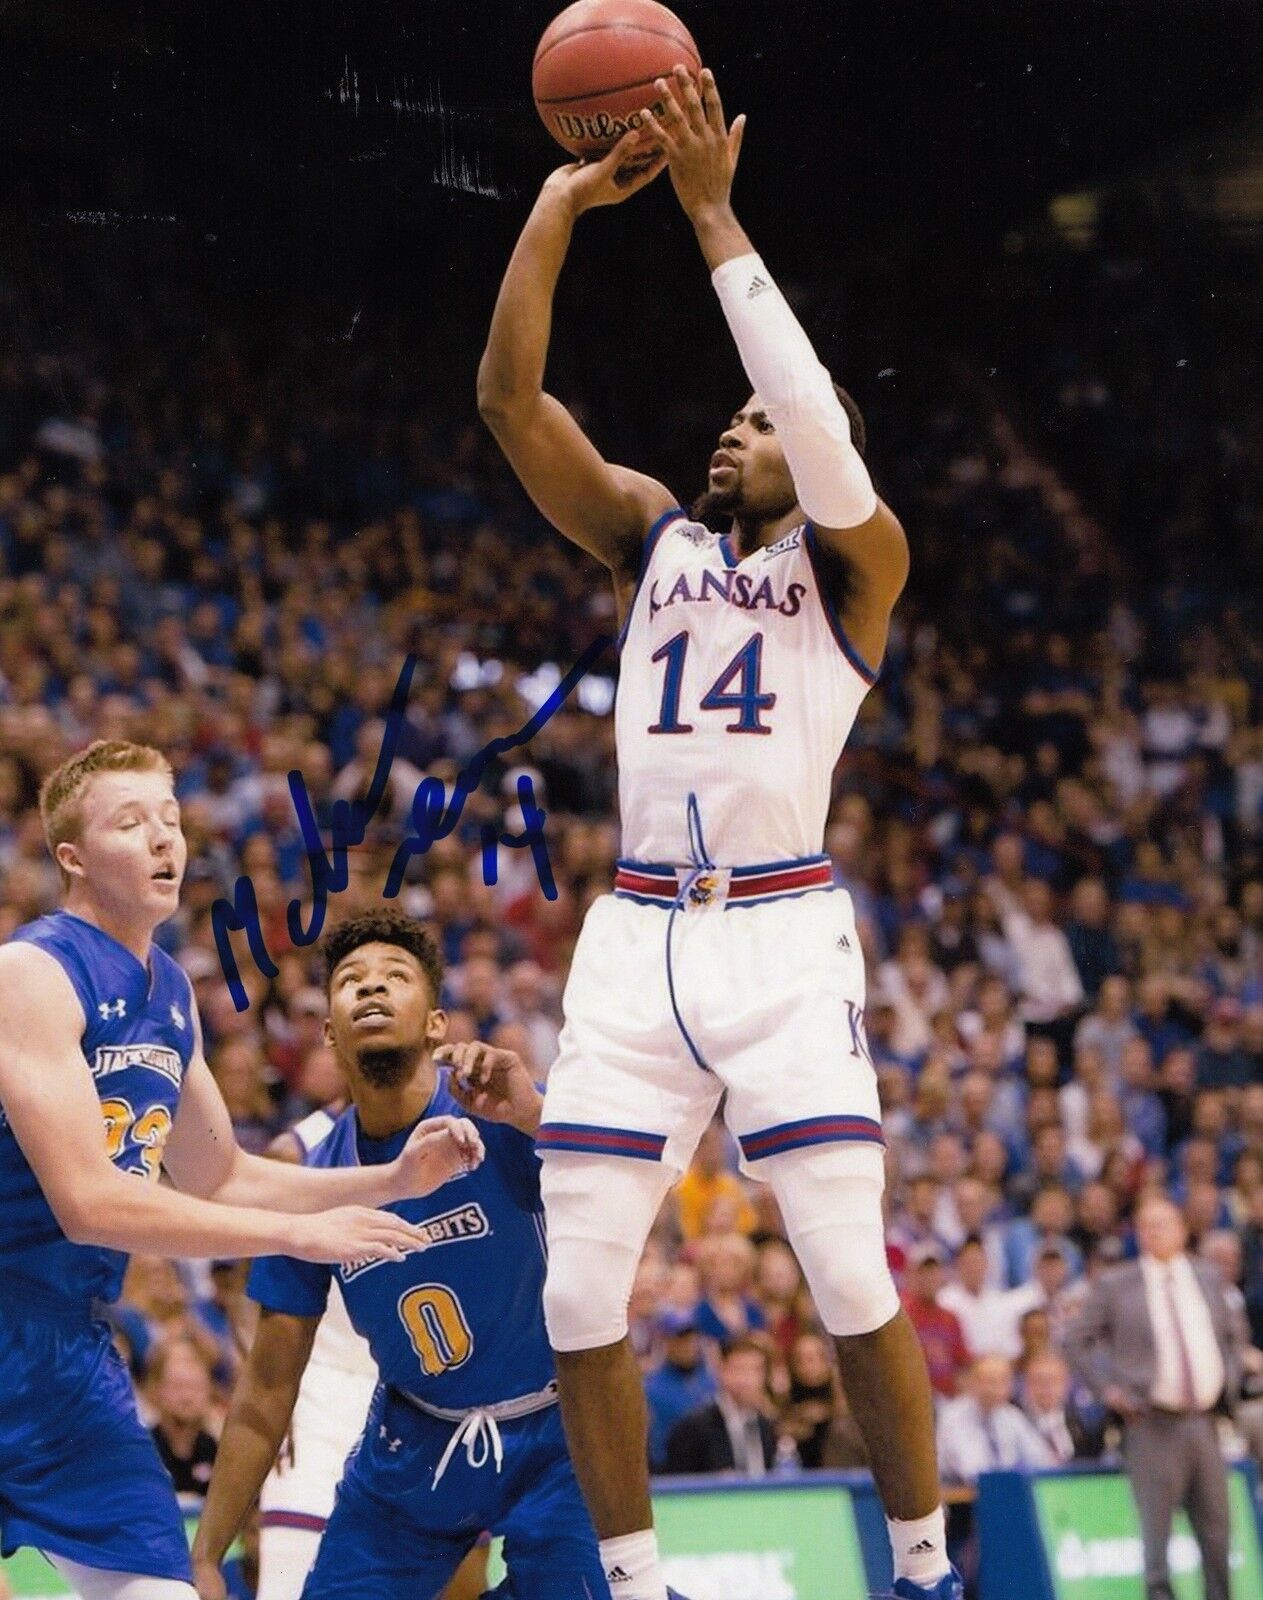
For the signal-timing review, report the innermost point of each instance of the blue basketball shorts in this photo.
(79, 1474)
(393, 1535)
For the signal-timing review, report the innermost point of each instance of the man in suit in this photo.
(732, 1432)
(1071, 1431)
(1157, 1342)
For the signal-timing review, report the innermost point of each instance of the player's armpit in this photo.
(863, 571)
(605, 509)
(202, 1150)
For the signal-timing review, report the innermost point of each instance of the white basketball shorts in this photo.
(688, 983)
(328, 1419)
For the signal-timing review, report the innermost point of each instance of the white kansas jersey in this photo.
(738, 685)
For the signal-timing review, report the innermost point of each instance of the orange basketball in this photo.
(595, 66)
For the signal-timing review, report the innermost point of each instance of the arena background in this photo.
(246, 267)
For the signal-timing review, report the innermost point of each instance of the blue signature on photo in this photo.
(432, 815)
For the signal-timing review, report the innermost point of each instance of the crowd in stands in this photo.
(1050, 817)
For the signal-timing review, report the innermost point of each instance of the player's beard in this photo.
(714, 505)
(387, 1066)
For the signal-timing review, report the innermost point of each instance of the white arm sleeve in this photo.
(832, 482)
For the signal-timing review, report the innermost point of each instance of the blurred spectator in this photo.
(228, 1314)
(156, 1308)
(180, 1392)
(1048, 982)
(708, 1179)
(731, 1433)
(988, 1316)
(1050, 1220)
(680, 1384)
(237, 1068)
(809, 1414)
(534, 1007)
(727, 1309)
(939, 1330)
(782, 1294)
(1221, 1062)
(1108, 1027)
(1092, 945)
(983, 1431)
(1069, 1432)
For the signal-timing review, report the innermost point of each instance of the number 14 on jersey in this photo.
(744, 670)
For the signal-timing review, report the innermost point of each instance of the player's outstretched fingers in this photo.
(670, 121)
(712, 105)
(380, 1235)
(735, 135)
(686, 93)
(438, 1133)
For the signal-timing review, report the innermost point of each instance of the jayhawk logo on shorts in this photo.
(707, 887)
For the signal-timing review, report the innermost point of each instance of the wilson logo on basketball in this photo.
(599, 126)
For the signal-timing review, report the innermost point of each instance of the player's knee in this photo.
(850, 1281)
(586, 1293)
(599, 1215)
(831, 1201)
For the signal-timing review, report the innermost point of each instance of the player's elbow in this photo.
(89, 1203)
(501, 397)
(80, 1210)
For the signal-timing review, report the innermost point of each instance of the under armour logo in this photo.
(757, 286)
(112, 1008)
(177, 1016)
(391, 1444)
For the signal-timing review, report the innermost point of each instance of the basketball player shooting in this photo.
(726, 958)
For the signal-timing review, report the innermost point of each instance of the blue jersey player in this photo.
(103, 1085)
(463, 1433)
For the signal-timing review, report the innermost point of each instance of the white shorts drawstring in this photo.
(480, 1434)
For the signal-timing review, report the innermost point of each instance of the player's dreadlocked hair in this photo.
(385, 926)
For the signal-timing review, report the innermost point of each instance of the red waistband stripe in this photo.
(813, 1130)
(304, 1521)
(658, 884)
(587, 1139)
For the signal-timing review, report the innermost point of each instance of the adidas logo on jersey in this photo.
(617, 1575)
(925, 1548)
(844, 942)
(757, 286)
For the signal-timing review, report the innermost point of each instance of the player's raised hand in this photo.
(633, 163)
(701, 150)
(351, 1233)
(493, 1084)
(438, 1149)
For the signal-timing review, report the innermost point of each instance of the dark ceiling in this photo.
(287, 137)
